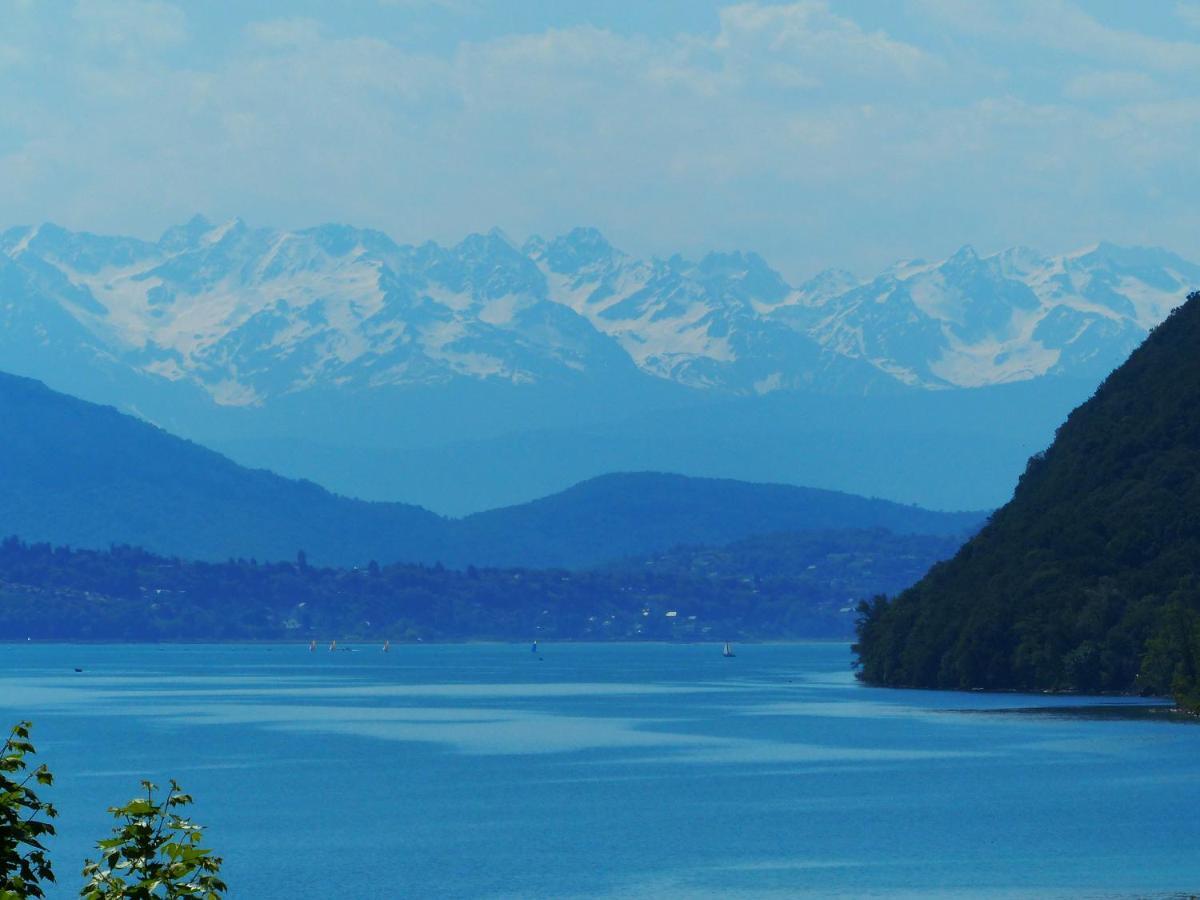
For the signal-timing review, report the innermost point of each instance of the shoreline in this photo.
(358, 642)
(1044, 692)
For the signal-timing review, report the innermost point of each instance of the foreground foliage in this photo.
(24, 819)
(1089, 579)
(154, 853)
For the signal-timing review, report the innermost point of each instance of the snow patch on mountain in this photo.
(22, 243)
(970, 321)
(252, 314)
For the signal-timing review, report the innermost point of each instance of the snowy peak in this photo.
(578, 249)
(965, 259)
(697, 323)
(250, 314)
(970, 320)
(744, 278)
(180, 237)
(823, 287)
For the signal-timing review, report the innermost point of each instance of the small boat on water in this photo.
(727, 652)
(312, 646)
(333, 645)
(533, 649)
(387, 646)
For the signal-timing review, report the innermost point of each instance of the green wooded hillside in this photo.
(1089, 578)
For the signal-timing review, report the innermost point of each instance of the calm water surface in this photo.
(609, 771)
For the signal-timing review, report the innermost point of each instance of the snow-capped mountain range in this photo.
(250, 314)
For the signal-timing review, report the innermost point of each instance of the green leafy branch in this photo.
(24, 819)
(154, 853)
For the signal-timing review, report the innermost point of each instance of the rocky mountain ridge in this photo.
(248, 315)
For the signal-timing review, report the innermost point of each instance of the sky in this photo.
(819, 133)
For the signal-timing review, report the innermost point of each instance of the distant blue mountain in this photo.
(954, 449)
(297, 348)
(75, 473)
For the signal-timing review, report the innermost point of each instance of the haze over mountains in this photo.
(336, 354)
(72, 472)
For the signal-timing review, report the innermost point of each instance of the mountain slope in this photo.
(624, 514)
(252, 315)
(939, 449)
(268, 344)
(75, 473)
(700, 324)
(1089, 579)
(969, 320)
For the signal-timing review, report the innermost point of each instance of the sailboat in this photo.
(333, 645)
(727, 652)
(387, 645)
(312, 645)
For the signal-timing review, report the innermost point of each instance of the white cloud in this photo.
(12, 56)
(1063, 26)
(1188, 13)
(129, 24)
(812, 45)
(292, 33)
(790, 129)
(1111, 86)
(458, 7)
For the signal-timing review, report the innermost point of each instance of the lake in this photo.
(610, 770)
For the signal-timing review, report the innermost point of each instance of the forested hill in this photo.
(779, 586)
(84, 475)
(632, 513)
(1089, 578)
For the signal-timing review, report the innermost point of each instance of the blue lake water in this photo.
(632, 770)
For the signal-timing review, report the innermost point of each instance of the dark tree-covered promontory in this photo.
(1089, 578)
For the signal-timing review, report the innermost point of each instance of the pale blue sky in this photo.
(841, 133)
